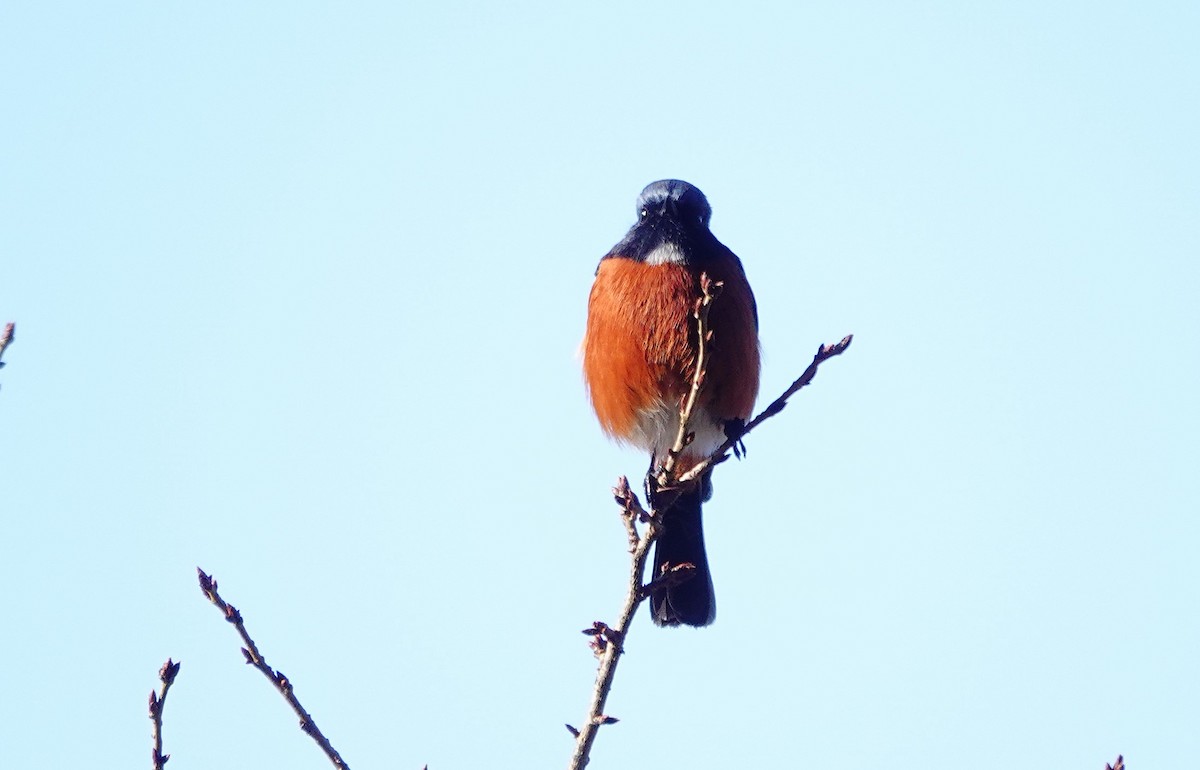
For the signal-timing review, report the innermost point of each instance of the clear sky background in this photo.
(299, 288)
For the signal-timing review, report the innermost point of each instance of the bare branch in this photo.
(250, 652)
(608, 642)
(166, 675)
(721, 453)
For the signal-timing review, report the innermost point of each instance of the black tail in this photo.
(691, 601)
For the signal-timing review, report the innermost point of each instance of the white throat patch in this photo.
(667, 253)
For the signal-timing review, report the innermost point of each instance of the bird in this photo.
(639, 359)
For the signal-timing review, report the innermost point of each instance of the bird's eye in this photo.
(645, 213)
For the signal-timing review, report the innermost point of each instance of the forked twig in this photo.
(166, 675)
(607, 641)
(253, 657)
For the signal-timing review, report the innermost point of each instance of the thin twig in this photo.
(609, 641)
(709, 291)
(158, 700)
(721, 453)
(209, 586)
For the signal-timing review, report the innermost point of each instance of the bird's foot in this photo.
(734, 430)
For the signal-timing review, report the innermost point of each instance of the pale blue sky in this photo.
(298, 291)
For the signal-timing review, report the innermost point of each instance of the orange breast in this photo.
(639, 352)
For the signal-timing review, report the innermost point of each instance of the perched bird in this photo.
(639, 358)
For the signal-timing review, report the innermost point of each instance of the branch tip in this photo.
(168, 671)
(207, 584)
(166, 675)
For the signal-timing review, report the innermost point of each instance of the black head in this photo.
(672, 226)
(675, 199)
